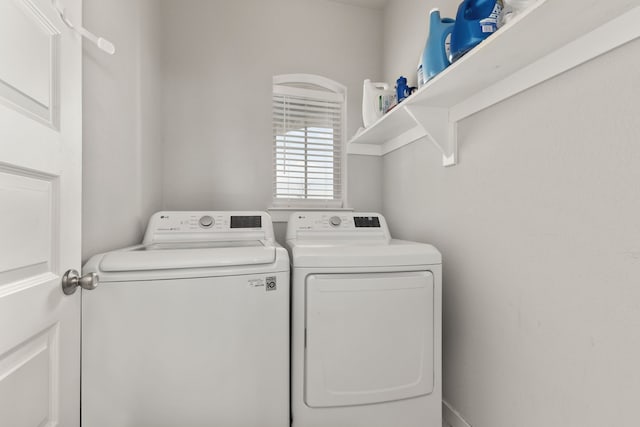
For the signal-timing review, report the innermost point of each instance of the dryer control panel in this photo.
(332, 224)
(208, 225)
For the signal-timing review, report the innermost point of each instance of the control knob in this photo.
(335, 221)
(206, 221)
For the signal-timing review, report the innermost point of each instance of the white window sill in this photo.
(282, 214)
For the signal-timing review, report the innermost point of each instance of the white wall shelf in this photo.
(549, 39)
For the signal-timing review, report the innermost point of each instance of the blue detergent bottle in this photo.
(475, 21)
(435, 57)
(402, 89)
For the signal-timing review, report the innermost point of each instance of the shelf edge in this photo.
(364, 149)
(601, 40)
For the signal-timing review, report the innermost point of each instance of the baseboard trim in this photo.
(451, 417)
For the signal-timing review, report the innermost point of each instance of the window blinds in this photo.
(307, 144)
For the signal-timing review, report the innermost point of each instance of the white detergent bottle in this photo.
(513, 8)
(377, 98)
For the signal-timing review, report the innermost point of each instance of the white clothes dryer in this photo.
(366, 324)
(191, 328)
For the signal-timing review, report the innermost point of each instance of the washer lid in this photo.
(359, 254)
(145, 258)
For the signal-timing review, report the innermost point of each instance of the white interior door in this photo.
(40, 160)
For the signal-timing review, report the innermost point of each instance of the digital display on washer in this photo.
(254, 221)
(366, 221)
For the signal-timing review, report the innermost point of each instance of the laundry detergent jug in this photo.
(377, 98)
(475, 21)
(513, 8)
(435, 57)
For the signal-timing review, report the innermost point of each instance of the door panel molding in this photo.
(29, 207)
(30, 83)
(29, 371)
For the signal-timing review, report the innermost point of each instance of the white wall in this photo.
(122, 150)
(539, 230)
(151, 139)
(219, 58)
(180, 117)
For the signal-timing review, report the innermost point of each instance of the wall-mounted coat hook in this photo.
(104, 44)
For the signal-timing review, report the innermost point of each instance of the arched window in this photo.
(308, 141)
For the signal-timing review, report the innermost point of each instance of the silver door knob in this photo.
(71, 280)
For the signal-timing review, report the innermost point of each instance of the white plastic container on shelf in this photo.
(512, 8)
(377, 98)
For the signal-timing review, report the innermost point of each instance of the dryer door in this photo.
(369, 337)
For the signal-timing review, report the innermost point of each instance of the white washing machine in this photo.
(366, 324)
(191, 328)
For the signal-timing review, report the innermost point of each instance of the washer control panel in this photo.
(220, 225)
(194, 222)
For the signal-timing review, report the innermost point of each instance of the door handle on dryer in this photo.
(71, 280)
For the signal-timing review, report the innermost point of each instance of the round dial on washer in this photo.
(206, 221)
(335, 221)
